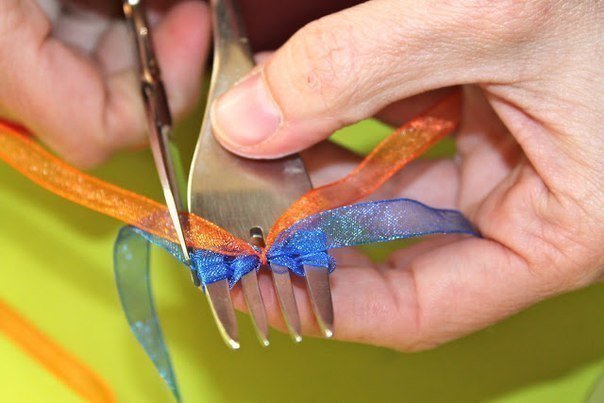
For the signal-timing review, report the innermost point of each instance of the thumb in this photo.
(347, 66)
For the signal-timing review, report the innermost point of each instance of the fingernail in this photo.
(246, 115)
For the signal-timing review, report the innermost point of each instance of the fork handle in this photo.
(232, 52)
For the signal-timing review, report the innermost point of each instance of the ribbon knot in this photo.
(211, 266)
(304, 247)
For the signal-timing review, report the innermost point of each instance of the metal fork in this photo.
(247, 196)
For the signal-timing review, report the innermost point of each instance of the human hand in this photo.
(528, 170)
(70, 74)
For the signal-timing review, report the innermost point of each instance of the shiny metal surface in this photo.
(236, 193)
(317, 282)
(253, 298)
(159, 117)
(287, 301)
(219, 297)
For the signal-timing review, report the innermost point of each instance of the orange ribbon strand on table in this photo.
(66, 367)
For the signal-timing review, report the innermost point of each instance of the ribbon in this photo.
(304, 247)
(306, 242)
(21, 152)
(65, 366)
(361, 224)
(387, 158)
(323, 219)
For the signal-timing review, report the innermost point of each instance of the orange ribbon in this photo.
(21, 152)
(66, 367)
(25, 155)
(393, 153)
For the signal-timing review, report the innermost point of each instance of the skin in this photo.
(528, 171)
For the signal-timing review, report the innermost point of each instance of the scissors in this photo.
(242, 196)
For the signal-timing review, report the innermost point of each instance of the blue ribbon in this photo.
(131, 266)
(304, 247)
(211, 266)
(307, 242)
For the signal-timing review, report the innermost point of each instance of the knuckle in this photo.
(577, 240)
(328, 61)
(508, 21)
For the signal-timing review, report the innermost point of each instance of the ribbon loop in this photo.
(132, 277)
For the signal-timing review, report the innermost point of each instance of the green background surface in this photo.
(56, 267)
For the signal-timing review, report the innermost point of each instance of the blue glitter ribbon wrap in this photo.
(307, 242)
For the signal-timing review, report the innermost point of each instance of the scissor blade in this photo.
(168, 176)
(159, 117)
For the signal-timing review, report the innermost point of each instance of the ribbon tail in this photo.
(132, 276)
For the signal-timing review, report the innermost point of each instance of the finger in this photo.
(181, 43)
(64, 97)
(399, 112)
(435, 293)
(482, 141)
(440, 295)
(340, 69)
(463, 286)
(79, 27)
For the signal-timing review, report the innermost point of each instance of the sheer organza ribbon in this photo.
(323, 219)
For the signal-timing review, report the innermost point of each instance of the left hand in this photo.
(529, 168)
(69, 74)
